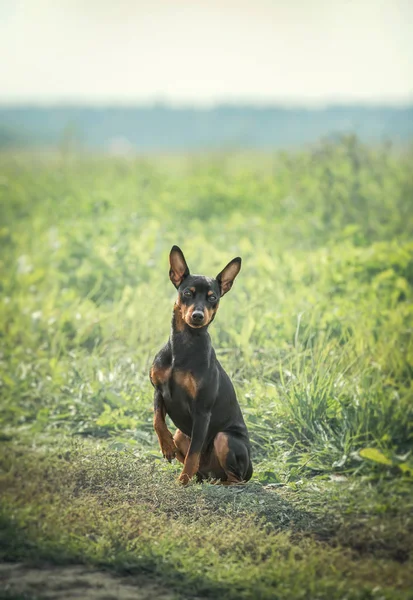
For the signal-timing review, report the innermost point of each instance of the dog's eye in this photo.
(187, 293)
(212, 298)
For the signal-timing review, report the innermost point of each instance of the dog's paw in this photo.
(169, 449)
(184, 479)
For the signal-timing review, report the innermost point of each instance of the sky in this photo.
(203, 52)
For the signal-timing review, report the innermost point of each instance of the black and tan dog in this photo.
(192, 387)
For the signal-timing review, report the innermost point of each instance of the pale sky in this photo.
(204, 52)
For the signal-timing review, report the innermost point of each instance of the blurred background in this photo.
(161, 75)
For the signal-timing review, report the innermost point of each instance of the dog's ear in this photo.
(227, 275)
(179, 269)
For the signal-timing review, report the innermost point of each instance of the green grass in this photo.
(122, 511)
(316, 335)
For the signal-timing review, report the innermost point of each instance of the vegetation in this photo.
(316, 335)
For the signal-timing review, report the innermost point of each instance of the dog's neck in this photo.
(188, 343)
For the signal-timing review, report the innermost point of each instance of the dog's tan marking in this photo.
(165, 438)
(182, 442)
(210, 311)
(160, 375)
(178, 319)
(183, 314)
(221, 448)
(187, 381)
(191, 466)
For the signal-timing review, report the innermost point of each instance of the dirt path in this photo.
(75, 582)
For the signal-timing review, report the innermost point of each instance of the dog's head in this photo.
(199, 296)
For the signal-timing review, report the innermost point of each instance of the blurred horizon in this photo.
(123, 130)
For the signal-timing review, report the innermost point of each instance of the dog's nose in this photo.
(197, 316)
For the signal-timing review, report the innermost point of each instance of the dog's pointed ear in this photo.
(179, 269)
(227, 275)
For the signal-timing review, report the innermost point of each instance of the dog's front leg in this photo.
(165, 438)
(200, 426)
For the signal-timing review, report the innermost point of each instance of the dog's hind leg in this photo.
(234, 458)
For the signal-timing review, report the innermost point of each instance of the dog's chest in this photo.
(179, 395)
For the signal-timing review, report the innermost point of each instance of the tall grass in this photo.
(316, 333)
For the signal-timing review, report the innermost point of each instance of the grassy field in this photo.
(317, 336)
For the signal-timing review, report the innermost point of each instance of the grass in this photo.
(121, 511)
(316, 335)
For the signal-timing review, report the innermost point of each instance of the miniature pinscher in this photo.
(192, 387)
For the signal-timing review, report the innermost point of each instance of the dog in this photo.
(191, 386)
